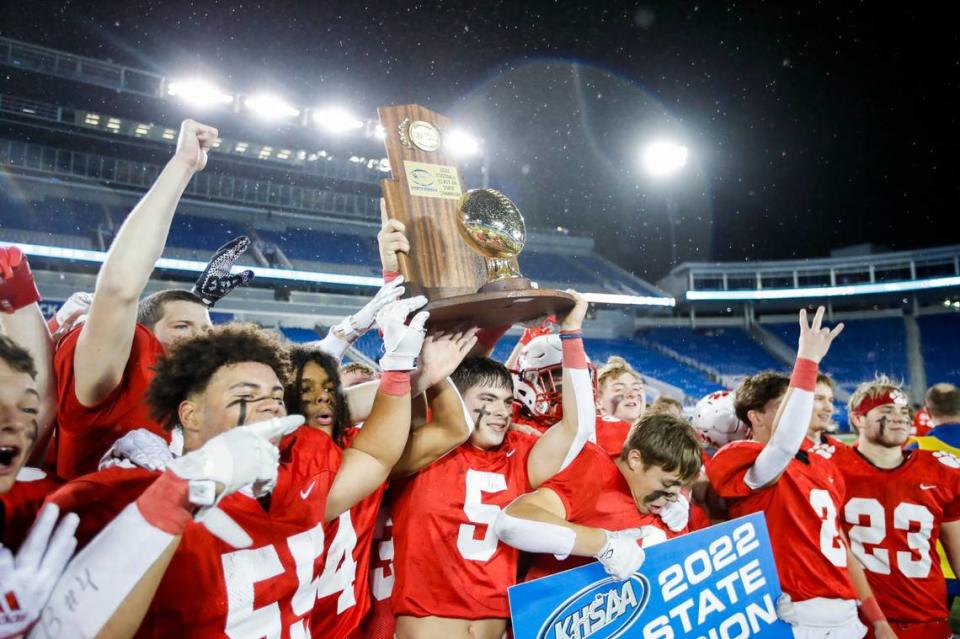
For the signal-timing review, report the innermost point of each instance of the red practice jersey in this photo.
(802, 511)
(892, 518)
(594, 493)
(212, 589)
(344, 590)
(87, 432)
(449, 562)
(21, 504)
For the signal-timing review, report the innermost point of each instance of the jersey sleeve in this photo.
(99, 497)
(579, 485)
(74, 416)
(728, 468)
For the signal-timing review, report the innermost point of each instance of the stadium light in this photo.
(336, 120)
(461, 143)
(198, 93)
(270, 107)
(664, 158)
(825, 291)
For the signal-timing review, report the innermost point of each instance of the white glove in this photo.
(622, 555)
(79, 301)
(29, 578)
(353, 326)
(240, 457)
(402, 342)
(786, 610)
(676, 514)
(140, 448)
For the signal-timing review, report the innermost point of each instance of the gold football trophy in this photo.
(463, 245)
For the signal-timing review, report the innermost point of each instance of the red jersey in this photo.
(449, 562)
(802, 511)
(892, 518)
(212, 589)
(21, 504)
(611, 432)
(595, 493)
(87, 432)
(380, 623)
(344, 591)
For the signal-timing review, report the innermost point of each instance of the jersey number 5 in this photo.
(479, 482)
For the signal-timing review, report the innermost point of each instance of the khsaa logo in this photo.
(603, 610)
(422, 178)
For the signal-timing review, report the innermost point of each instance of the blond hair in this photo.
(615, 367)
(873, 388)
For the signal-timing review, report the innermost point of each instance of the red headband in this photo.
(890, 396)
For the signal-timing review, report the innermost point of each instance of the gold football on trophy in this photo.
(492, 226)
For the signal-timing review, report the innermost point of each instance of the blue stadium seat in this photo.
(328, 245)
(202, 233)
(61, 217)
(728, 350)
(299, 335)
(866, 347)
(939, 335)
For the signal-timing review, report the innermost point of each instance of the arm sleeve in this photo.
(789, 430)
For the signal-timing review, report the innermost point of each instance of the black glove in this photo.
(216, 282)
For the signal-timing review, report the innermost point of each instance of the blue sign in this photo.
(716, 583)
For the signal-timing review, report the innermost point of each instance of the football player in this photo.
(452, 573)
(779, 473)
(899, 504)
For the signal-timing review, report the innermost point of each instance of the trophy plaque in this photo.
(463, 244)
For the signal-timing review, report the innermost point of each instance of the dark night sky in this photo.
(811, 126)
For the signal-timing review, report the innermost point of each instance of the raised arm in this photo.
(378, 446)
(564, 440)
(22, 321)
(796, 409)
(105, 340)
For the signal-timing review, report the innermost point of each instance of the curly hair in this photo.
(300, 356)
(190, 364)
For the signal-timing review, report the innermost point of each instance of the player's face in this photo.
(181, 319)
(761, 421)
(652, 487)
(822, 408)
(237, 394)
(354, 377)
(623, 397)
(492, 408)
(887, 425)
(317, 397)
(19, 413)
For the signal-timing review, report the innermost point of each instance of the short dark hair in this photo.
(943, 400)
(755, 391)
(823, 378)
(190, 364)
(17, 357)
(665, 441)
(300, 356)
(477, 371)
(151, 308)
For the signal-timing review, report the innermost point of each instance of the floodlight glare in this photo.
(461, 143)
(270, 107)
(664, 158)
(336, 120)
(198, 93)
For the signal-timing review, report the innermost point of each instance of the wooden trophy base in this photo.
(498, 307)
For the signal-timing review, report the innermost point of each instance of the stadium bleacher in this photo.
(939, 336)
(866, 347)
(728, 350)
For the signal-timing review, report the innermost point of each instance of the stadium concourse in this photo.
(174, 300)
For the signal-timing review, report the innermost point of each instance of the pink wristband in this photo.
(164, 504)
(395, 383)
(389, 276)
(804, 374)
(573, 354)
(871, 610)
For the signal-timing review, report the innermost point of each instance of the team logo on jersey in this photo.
(605, 609)
(947, 459)
(824, 450)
